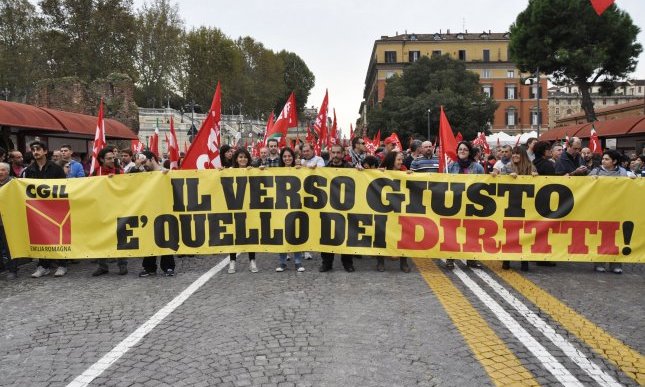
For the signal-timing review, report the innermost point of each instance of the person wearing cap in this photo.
(42, 168)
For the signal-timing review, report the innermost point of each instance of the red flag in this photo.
(485, 143)
(136, 146)
(154, 141)
(310, 136)
(333, 134)
(601, 5)
(288, 118)
(459, 137)
(173, 146)
(448, 148)
(320, 125)
(351, 132)
(377, 139)
(369, 145)
(594, 141)
(204, 151)
(268, 128)
(99, 140)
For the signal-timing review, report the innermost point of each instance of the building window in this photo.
(485, 73)
(604, 101)
(462, 55)
(436, 52)
(510, 92)
(486, 56)
(557, 110)
(413, 56)
(569, 102)
(390, 56)
(510, 73)
(389, 74)
(535, 117)
(568, 111)
(511, 117)
(557, 101)
(488, 90)
(532, 91)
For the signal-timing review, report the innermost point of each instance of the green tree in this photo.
(297, 78)
(19, 59)
(158, 51)
(569, 41)
(88, 38)
(428, 84)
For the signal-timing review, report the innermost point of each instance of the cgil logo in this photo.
(49, 220)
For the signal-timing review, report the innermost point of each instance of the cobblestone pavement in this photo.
(429, 327)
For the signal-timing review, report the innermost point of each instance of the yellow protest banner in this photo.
(326, 209)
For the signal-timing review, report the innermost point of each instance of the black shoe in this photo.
(506, 265)
(350, 269)
(404, 265)
(99, 271)
(123, 270)
(147, 273)
(450, 264)
(324, 268)
(380, 264)
(169, 273)
(473, 263)
(524, 266)
(545, 263)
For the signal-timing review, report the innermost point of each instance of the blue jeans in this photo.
(297, 258)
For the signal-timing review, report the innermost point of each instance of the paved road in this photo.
(466, 327)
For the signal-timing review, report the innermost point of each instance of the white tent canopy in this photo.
(507, 139)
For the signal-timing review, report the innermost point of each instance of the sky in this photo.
(335, 37)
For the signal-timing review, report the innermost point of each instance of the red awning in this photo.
(562, 132)
(639, 127)
(20, 115)
(84, 124)
(612, 128)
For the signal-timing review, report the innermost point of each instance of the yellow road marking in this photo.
(628, 360)
(502, 366)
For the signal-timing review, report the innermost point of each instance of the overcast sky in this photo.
(335, 37)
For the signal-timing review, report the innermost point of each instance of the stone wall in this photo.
(74, 95)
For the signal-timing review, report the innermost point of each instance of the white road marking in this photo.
(578, 357)
(550, 363)
(124, 346)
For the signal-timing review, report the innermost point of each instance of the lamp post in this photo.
(429, 110)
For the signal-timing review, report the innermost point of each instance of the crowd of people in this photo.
(533, 158)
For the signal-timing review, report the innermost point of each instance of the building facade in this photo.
(565, 102)
(483, 53)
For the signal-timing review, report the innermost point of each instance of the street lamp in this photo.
(429, 124)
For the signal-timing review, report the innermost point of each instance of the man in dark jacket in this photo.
(42, 168)
(570, 162)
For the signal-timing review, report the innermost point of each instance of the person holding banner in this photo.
(610, 166)
(520, 165)
(226, 155)
(543, 165)
(42, 168)
(10, 264)
(393, 161)
(242, 159)
(166, 262)
(336, 161)
(288, 160)
(465, 164)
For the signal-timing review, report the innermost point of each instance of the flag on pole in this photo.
(99, 140)
(333, 133)
(136, 146)
(594, 141)
(204, 151)
(268, 128)
(351, 132)
(288, 118)
(601, 5)
(154, 141)
(447, 141)
(173, 146)
(459, 137)
(320, 125)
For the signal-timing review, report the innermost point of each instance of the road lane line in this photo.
(548, 361)
(502, 366)
(628, 360)
(124, 346)
(593, 370)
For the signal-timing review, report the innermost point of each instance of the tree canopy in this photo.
(91, 39)
(428, 84)
(567, 40)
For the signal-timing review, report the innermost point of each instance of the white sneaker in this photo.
(308, 255)
(40, 271)
(617, 270)
(600, 269)
(280, 268)
(300, 269)
(231, 267)
(61, 271)
(288, 257)
(253, 267)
